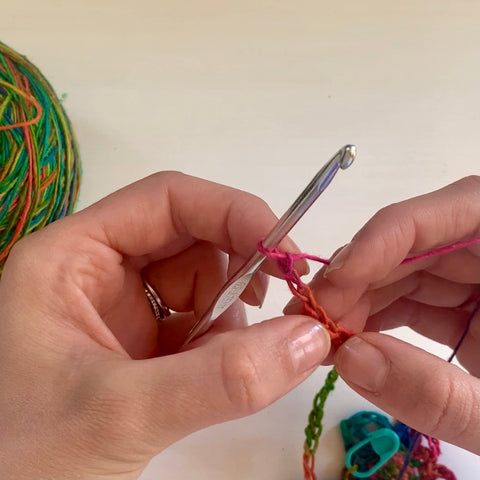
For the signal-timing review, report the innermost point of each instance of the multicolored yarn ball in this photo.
(39, 161)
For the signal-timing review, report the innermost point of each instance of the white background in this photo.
(258, 95)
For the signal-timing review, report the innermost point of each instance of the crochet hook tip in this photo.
(348, 153)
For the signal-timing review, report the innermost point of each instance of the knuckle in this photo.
(467, 415)
(242, 381)
(168, 175)
(439, 419)
(251, 202)
(394, 228)
(21, 251)
(471, 181)
(22, 265)
(411, 311)
(453, 418)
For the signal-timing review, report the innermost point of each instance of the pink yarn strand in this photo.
(442, 251)
(275, 254)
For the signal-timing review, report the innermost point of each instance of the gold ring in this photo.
(159, 309)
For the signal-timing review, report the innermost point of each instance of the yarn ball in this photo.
(39, 161)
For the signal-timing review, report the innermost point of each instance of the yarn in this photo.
(442, 251)
(421, 456)
(285, 261)
(314, 428)
(415, 459)
(39, 161)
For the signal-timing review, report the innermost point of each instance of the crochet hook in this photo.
(234, 287)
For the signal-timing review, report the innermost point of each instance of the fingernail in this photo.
(303, 268)
(338, 260)
(293, 307)
(309, 346)
(258, 289)
(362, 364)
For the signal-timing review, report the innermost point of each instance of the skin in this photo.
(367, 290)
(86, 388)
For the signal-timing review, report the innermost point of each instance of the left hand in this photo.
(84, 392)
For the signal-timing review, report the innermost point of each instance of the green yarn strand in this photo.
(314, 428)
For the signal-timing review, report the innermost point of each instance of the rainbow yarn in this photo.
(39, 161)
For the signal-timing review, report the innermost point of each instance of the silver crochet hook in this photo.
(234, 287)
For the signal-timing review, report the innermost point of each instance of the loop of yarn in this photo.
(39, 161)
(301, 290)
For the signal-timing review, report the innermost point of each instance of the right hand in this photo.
(366, 289)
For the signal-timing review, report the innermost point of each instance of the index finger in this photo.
(414, 226)
(164, 213)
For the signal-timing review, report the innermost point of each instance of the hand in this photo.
(84, 392)
(366, 288)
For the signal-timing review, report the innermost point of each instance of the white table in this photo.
(257, 95)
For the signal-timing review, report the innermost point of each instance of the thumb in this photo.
(235, 374)
(417, 388)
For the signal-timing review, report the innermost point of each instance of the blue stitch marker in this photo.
(384, 442)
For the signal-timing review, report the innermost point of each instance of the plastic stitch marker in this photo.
(384, 442)
(361, 424)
